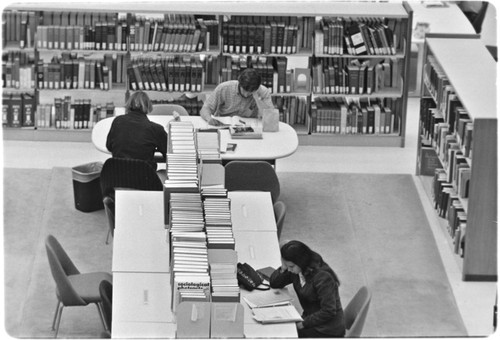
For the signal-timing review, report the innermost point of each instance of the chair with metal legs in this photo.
(72, 287)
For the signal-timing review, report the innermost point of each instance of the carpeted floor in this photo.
(370, 228)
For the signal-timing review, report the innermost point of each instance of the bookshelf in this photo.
(457, 148)
(297, 107)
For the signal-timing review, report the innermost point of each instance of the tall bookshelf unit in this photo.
(306, 57)
(458, 138)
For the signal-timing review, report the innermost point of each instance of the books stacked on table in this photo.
(181, 137)
(189, 267)
(208, 143)
(218, 223)
(186, 212)
(224, 282)
(212, 192)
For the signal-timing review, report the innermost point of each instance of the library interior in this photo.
(355, 194)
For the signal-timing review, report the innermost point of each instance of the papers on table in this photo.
(267, 298)
(276, 314)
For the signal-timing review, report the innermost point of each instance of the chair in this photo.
(128, 174)
(168, 110)
(106, 292)
(356, 311)
(279, 213)
(252, 175)
(72, 287)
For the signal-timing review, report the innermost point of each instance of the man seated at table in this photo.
(244, 97)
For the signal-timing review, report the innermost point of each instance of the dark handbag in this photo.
(249, 279)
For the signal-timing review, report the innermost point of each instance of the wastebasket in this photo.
(87, 186)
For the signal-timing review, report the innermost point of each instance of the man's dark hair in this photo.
(249, 80)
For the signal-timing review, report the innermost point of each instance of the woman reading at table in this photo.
(133, 135)
(317, 287)
(243, 97)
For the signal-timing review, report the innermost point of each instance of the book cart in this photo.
(319, 78)
(457, 148)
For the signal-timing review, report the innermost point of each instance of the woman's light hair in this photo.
(139, 101)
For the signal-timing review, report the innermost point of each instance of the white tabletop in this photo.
(142, 306)
(273, 145)
(253, 247)
(252, 211)
(140, 242)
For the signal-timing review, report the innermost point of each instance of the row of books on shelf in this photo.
(19, 28)
(79, 114)
(21, 110)
(356, 76)
(72, 72)
(436, 130)
(192, 105)
(119, 35)
(18, 109)
(450, 207)
(18, 69)
(266, 34)
(436, 81)
(293, 109)
(338, 116)
(167, 74)
(359, 36)
(109, 31)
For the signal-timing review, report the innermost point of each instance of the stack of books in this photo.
(224, 282)
(183, 173)
(208, 142)
(181, 137)
(189, 253)
(186, 213)
(207, 192)
(218, 223)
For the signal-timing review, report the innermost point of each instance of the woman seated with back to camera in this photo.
(316, 286)
(133, 135)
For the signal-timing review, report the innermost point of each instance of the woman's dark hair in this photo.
(304, 257)
(139, 101)
(249, 80)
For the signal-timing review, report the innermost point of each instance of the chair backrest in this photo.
(477, 23)
(279, 214)
(252, 175)
(128, 173)
(61, 267)
(106, 292)
(356, 311)
(168, 110)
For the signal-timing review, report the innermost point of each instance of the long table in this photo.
(141, 271)
(272, 146)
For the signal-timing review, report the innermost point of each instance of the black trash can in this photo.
(87, 187)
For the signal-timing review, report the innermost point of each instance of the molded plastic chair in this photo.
(168, 110)
(252, 175)
(128, 174)
(279, 214)
(356, 311)
(72, 287)
(106, 292)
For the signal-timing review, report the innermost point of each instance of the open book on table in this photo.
(267, 298)
(276, 314)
